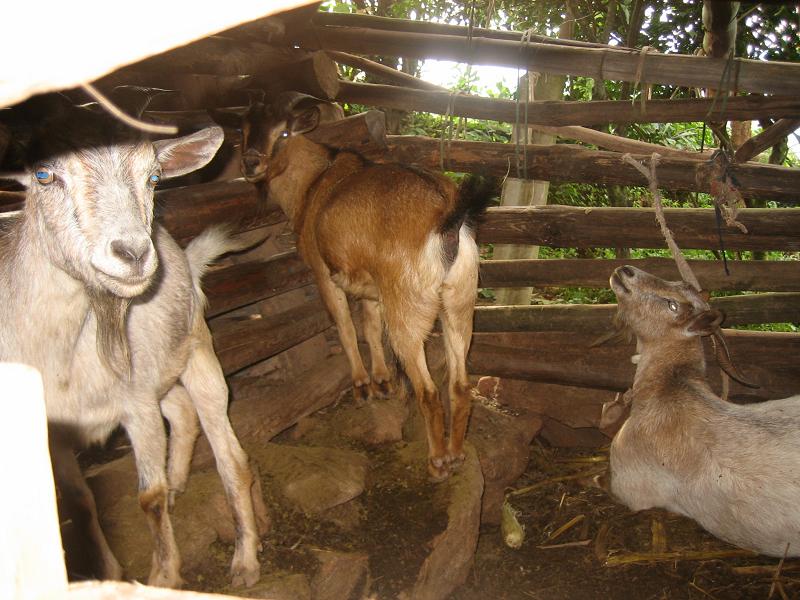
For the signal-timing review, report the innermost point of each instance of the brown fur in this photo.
(390, 235)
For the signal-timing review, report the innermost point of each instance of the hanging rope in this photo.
(447, 129)
(645, 87)
(521, 139)
(650, 174)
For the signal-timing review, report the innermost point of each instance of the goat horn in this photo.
(723, 357)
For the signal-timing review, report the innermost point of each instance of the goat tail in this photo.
(472, 199)
(207, 247)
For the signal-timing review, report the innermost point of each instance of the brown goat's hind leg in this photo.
(458, 305)
(373, 332)
(336, 302)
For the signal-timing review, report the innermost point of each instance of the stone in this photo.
(279, 586)
(341, 575)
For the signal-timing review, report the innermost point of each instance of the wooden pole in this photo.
(564, 162)
(567, 358)
(579, 227)
(762, 275)
(781, 78)
(597, 112)
(766, 139)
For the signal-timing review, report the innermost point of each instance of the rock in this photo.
(341, 575)
(279, 586)
(313, 479)
(450, 560)
(379, 421)
(559, 435)
(502, 439)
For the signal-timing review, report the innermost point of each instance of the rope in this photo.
(447, 129)
(117, 113)
(521, 155)
(650, 174)
(638, 78)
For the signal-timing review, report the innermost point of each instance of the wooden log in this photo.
(241, 342)
(260, 410)
(766, 139)
(315, 74)
(568, 163)
(11, 201)
(768, 359)
(364, 133)
(413, 26)
(245, 283)
(578, 227)
(751, 275)
(772, 307)
(558, 113)
(388, 74)
(187, 211)
(780, 78)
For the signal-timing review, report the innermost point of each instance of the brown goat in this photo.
(396, 237)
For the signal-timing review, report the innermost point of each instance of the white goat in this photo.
(735, 469)
(109, 309)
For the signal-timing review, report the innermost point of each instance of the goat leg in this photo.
(205, 382)
(184, 428)
(145, 428)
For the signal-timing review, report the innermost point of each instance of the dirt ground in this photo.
(578, 543)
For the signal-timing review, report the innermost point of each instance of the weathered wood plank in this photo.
(768, 359)
(773, 307)
(577, 227)
(558, 113)
(766, 139)
(241, 342)
(245, 283)
(261, 410)
(569, 163)
(782, 78)
(752, 275)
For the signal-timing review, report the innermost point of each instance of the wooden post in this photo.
(31, 557)
(531, 192)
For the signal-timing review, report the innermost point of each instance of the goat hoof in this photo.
(242, 576)
(456, 460)
(382, 389)
(361, 393)
(438, 469)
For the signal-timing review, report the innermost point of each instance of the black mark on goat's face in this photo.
(97, 203)
(652, 307)
(259, 137)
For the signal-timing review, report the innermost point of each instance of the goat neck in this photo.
(664, 364)
(294, 170)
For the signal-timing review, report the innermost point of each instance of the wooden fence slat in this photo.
(774, 77)
(745, 275)
(783, 307)
(561, 113)
(245, 283)
(609, 227)
(768, 359)
(241, 342)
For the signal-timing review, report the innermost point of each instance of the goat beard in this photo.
(113, 348)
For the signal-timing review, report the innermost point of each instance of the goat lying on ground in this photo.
(735, 469)
(396, 237)
(110, 310)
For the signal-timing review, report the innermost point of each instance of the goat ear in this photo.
(179, 156)
(706, 322)
(305, 120)
(227, 117)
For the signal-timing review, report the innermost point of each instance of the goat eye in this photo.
(154, 178)
(672, 305)
(284, 134)
(44, 175)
